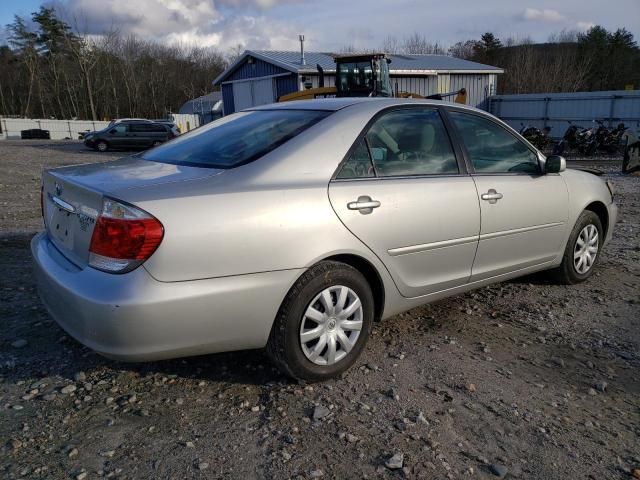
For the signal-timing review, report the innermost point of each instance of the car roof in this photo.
(335, 104)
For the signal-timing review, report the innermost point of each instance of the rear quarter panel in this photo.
(272, 214)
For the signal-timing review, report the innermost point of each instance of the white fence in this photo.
(58, 129)
(186, 121)
(71, 129)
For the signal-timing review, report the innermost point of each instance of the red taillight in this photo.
(123, 237)
(126, 239)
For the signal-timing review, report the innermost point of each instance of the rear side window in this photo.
(358, 165)
(140, 127)
(236, 139)
(492, 148)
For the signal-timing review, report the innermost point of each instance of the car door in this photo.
(119, 136)
(403, 193)
(523, 211)
(140, 134)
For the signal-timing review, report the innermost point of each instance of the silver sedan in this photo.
(296, 226)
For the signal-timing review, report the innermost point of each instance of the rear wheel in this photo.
(582, 250)
(323, 323)
(156, 143)
(102, 146)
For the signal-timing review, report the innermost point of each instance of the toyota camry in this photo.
(294, 227)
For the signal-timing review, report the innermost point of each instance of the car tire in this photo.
(156, 143)
(571, 270)
(102, 146)
(310, 359)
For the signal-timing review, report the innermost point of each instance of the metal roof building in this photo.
(259, 77)
(204, 104)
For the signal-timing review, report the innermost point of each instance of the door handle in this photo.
(364, 204)
(491, 196)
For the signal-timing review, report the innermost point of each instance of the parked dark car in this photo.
(135, 135)
(35, 133)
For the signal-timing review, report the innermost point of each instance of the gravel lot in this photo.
(524, 379)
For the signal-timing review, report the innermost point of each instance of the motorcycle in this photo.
(609, 141)
(577, 139)
(538, 138)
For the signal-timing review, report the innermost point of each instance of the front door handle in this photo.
(491, 196)
(364, 204)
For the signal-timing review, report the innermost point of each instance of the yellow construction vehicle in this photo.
(362, 75)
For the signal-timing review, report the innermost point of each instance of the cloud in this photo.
(585, 25)
(206, 23)
(544, 15)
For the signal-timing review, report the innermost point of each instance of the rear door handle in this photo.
(491, 196)
(364, 204)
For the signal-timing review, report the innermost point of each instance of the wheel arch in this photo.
(370, 273)
(600, 209)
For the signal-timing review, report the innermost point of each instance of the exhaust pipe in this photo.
(302, 60)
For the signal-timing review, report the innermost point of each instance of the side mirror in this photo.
(555, 164)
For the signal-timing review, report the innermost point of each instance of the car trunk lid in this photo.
(72, 196)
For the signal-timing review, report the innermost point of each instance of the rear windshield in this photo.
(235, 140)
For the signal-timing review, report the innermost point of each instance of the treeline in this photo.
(570, 61)
(53, 71)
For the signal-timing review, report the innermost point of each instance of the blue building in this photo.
(259, 77)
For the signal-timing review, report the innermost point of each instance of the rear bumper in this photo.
(133, 317)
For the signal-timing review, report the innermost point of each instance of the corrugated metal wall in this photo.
(228, 105)
(479, 87)
(329, 80)
(557, 109)
(287, 84)
(258, 68)
(422, 85)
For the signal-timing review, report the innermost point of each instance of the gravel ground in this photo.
(524, 379)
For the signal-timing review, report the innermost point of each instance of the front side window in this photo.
(236, 139)
(119, 129)
(493, 149)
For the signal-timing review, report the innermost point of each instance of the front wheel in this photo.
(582, 250)
(102, 146)
(323, 324)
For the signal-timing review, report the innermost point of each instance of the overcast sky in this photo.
(331, 24)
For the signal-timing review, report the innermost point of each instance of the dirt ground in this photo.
(524, 379)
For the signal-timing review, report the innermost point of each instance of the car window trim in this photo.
(462, 169)
(465, 152)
